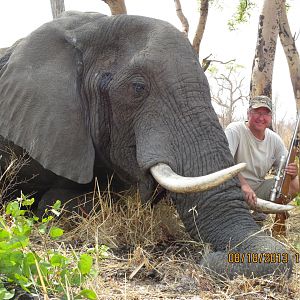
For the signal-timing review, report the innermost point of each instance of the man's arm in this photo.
(233, 138)
(249, 194)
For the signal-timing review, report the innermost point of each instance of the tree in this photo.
(291, 53)
(201, 25)
(273, 22)
(181, 16)
(268, 29)
(203, 8)
(57, 7)
(229, 93)
(117, 7)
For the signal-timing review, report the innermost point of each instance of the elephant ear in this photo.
(41, 109)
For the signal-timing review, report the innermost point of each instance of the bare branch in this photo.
(228, 95)
(201, 25)
(181, 16)
(117, 7)
(206, 62)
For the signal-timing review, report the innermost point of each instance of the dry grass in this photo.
(152, 257)
(125, 222)
(9, 177)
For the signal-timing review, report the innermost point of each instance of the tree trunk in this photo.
(201, 25)
(117, 7)
(57, 7)
(268, 29)
(291, 53)
(181, 16)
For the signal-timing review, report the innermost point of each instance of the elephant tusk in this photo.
(271, 207)
(173, 182)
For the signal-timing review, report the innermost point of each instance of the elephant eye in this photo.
(138, 87)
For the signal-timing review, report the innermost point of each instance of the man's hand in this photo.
(250, 196)
(292, 169)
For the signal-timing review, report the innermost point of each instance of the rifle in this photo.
(280, 191)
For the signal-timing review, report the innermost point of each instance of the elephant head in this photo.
(87, 94)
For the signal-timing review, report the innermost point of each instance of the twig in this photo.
(42, 280)
(8, 168)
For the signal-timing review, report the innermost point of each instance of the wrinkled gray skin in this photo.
(89, 95)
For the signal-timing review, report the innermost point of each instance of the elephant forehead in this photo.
(123, 29)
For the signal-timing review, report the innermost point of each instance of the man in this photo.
(261, 148)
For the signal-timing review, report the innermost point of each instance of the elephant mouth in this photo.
(173, 182)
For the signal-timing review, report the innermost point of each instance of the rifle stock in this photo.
(279, 226)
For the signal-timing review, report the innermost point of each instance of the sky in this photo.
(19, 17)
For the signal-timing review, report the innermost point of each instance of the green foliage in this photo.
(56, 232)
(234, 67)
(88, 294)
(231, 66)
(213, 70)
(52, 272)
(297, 200)
(242, 14)
(4, 293)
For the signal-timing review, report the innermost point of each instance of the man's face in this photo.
(259, 118)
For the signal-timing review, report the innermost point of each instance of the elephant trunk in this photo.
(251, 260)
(221, 218)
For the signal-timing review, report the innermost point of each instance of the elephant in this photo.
(88, 95)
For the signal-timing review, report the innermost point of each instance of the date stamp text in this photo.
(265, 258)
